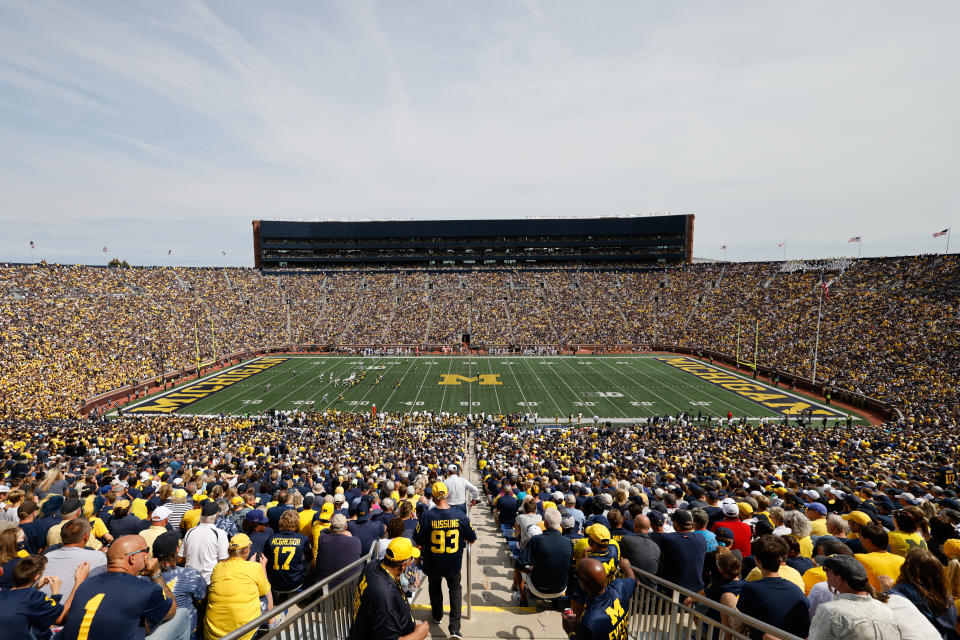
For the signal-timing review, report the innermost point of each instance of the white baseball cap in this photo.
(160, 513)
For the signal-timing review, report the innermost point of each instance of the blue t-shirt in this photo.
(287, 562)
(777, 602)
(442, 533)
(605, 616)
(710, 537)
(681, 558)
(26, 614)
(188, 587)
(114, 606)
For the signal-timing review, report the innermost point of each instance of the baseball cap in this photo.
(70, 505)
(240, 540)
(598, 533)
(235, 500)
(439, 490)
(179, 493)
(166, 544)
(724, 532)
(256, 516)
(122, 504)
(656, 516)
(363, 511)
(4, 488)
(729, 507)
(209, 508)
(848, 568)
(326, 512)
(401, 549)
(199, 497)
(745, 508)
(160, 513)
(951, 548)
(338, 498)
(859, 517)
(816, 506)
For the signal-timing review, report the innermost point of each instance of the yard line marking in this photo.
(615, 405)
(392, 393)
(233, 394)
(307, 373)
(650, 391)
(555, 405)
(443, 396)
(363, 364)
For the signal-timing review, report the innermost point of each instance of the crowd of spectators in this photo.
(889, 327)
(226, 518)
(827, 533)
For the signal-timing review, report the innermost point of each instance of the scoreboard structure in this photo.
(642, 241)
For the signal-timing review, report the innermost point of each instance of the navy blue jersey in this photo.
(287, 560)
(605, 617)
(441, 534)
(26, 614)
(114, 606)
(380, 609)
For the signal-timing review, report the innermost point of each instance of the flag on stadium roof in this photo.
(32, 246)
(723, 247)
(223, 253)
(782, 244)
(104, 249)
(854, 239)
(169, 251)
(939, 234)
(825, 289)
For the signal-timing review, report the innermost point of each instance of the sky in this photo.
(154, 127)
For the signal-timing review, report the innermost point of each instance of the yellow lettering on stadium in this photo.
(785, 404)
(203, 388)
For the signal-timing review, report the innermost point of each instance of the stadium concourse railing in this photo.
(142, 387)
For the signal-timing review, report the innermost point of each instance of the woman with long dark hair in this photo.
(923, 581)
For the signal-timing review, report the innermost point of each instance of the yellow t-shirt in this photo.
(818, 527)
(190, 519)
(306, 520)
(786, 572)
(812, 577)
(880, 563)
(151, 534)
(138, 507)
(901, 543)
(318, 528)
(234, 596)
(806, 547)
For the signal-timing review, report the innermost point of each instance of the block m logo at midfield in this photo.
(485, 379)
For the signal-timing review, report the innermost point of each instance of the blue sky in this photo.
(155, 126)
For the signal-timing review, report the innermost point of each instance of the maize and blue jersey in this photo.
(26, 614)
(288, 560)
(441, 534)
(115, 606)
(605, 616)
(609, 558)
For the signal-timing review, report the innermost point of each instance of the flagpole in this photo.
(948, 241)
(784, 250)
(816, 344)
(859, 248)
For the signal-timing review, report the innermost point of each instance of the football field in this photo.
(616, 388)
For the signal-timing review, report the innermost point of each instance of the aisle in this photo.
(494, 614)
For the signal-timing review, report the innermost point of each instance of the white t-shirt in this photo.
(913, 624)
(203, 547)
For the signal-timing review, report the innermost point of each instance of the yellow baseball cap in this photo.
(200, 497)
(235, 500)
(951, 548)
(598, 533)
(121, 504)
(179, 493)
(240, 541)
(401, 549)
(860, 518)
(326, 511)
(439, 490)
(745, 508)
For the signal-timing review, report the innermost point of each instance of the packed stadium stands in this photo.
(889, 327)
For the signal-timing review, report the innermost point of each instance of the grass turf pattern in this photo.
(617, 388)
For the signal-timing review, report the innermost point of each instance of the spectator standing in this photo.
(459, 489)
(771, 599)
(236, 587)
(441, 534)
(364, 529)
(336, 549)
(858, 613)
(204, 545)
(287, 557)
(381, 610)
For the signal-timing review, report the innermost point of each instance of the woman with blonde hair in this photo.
(53, 483)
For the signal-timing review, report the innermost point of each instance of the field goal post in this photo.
(756, 346)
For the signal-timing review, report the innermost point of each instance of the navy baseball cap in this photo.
(256, 516)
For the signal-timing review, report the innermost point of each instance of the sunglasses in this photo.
(133, 553)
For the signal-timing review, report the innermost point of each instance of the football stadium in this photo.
(316, 324)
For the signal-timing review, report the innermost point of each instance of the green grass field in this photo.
(617, 388)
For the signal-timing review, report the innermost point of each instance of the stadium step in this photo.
(494, 614)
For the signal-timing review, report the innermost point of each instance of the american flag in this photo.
(32, 246)
(940, 234)
(104, 249)
(781, 245)
(223, 253)
(723, 247)
(169, 251)
(854, 239)
(825, 289)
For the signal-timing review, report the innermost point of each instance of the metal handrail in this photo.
(322, 588)
(660, 609)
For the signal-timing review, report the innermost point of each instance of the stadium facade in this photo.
(652, 241)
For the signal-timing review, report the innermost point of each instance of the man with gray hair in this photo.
(387, 512)
(336, 548)
(570, 505)
(546, 559)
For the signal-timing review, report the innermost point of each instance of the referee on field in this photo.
(441, 533)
